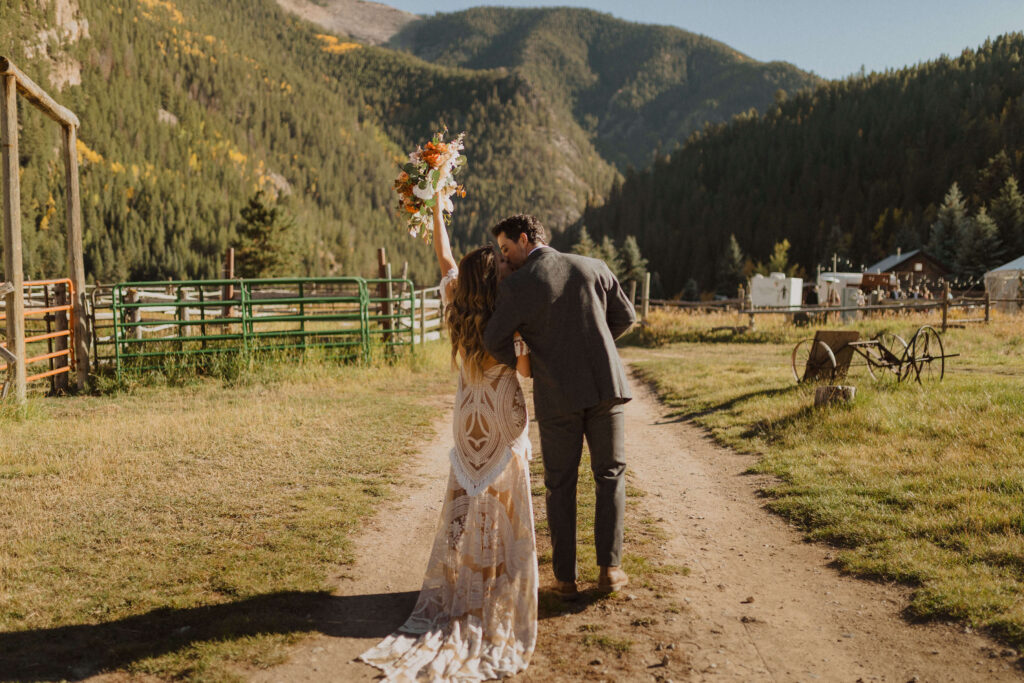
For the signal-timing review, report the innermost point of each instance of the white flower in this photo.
(423, 193)
(446, 203)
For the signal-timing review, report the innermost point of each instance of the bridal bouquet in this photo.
(428, 178)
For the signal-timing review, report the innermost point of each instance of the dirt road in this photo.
(758, 605)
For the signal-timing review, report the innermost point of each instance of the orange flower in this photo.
(432, 153)
(411, 209)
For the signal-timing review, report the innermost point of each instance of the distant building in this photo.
(1005, 285)
(911, 268)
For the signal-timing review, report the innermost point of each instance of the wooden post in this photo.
(76, 261)
(945, 304)
(988, 307)
(405, 276)
(645, 298)
(15, 305)
(228, 291)
(134, 313)
(60, 382)
(382, 291)
(632, 293)
(389, 308)
(181, 313)
(423, 317)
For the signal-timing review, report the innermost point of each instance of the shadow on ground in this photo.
(76, 652)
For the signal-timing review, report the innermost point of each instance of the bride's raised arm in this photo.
(443, 248)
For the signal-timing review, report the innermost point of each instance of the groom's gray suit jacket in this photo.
(569, 310)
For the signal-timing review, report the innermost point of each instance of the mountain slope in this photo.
(189, 108)
(367, 22)
(636, 89)
(855, 168)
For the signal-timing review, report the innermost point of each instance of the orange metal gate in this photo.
(43, 319)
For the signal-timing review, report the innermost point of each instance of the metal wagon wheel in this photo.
(887, 361)
(824, 360)
(925, 358)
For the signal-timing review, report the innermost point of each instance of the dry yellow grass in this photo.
(127, 518)
(920, 484)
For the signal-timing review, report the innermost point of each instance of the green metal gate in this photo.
(153, 321)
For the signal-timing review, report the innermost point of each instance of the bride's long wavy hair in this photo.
(472, 304)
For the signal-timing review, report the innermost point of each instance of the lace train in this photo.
(476, 615)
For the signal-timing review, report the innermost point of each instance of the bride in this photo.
(476, 615)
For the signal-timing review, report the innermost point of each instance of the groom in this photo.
(569, 310)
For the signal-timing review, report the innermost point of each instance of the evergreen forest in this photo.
(235, 124)
(927, 156)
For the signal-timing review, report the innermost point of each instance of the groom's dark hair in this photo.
(514, 226)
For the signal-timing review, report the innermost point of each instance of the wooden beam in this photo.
(76, 261)
(37, 96)
(15, 308)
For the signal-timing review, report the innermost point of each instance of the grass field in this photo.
(177, 526)
(920, 484)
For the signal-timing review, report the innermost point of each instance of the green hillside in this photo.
(189, 108)
(636, 89)
(857, 168)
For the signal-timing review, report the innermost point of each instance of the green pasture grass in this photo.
(182, 528)
(920, 484)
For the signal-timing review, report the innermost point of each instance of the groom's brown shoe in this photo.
(566, 590)
(612, 579)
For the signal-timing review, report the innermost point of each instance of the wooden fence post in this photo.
(645, 298)
(988, 306)
(945, 305)
(423, 317)
(632, 293)
(134, 313)
(383, 291)
(76, 260)
(13, 270)
(183, 314)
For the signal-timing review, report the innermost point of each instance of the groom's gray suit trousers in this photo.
(561, 439)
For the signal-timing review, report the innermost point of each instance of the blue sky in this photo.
(832, 38)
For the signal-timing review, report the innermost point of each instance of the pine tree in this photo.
(779, 260)
(610, 255)
(266, 240)
(1007, 210)
(993, 177)
(980, 249)
(949, 225)
(584, 246)
(730, 268)
(634, 265)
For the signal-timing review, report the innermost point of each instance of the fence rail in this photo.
(945, 305)
(141, 324)
(48, 315)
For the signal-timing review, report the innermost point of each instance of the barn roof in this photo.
(1015, 264)
(891, 261)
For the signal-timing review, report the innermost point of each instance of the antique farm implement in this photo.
(830, 354)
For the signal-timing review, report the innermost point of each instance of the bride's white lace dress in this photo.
(476, 616)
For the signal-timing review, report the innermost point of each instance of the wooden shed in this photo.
(915, 267)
